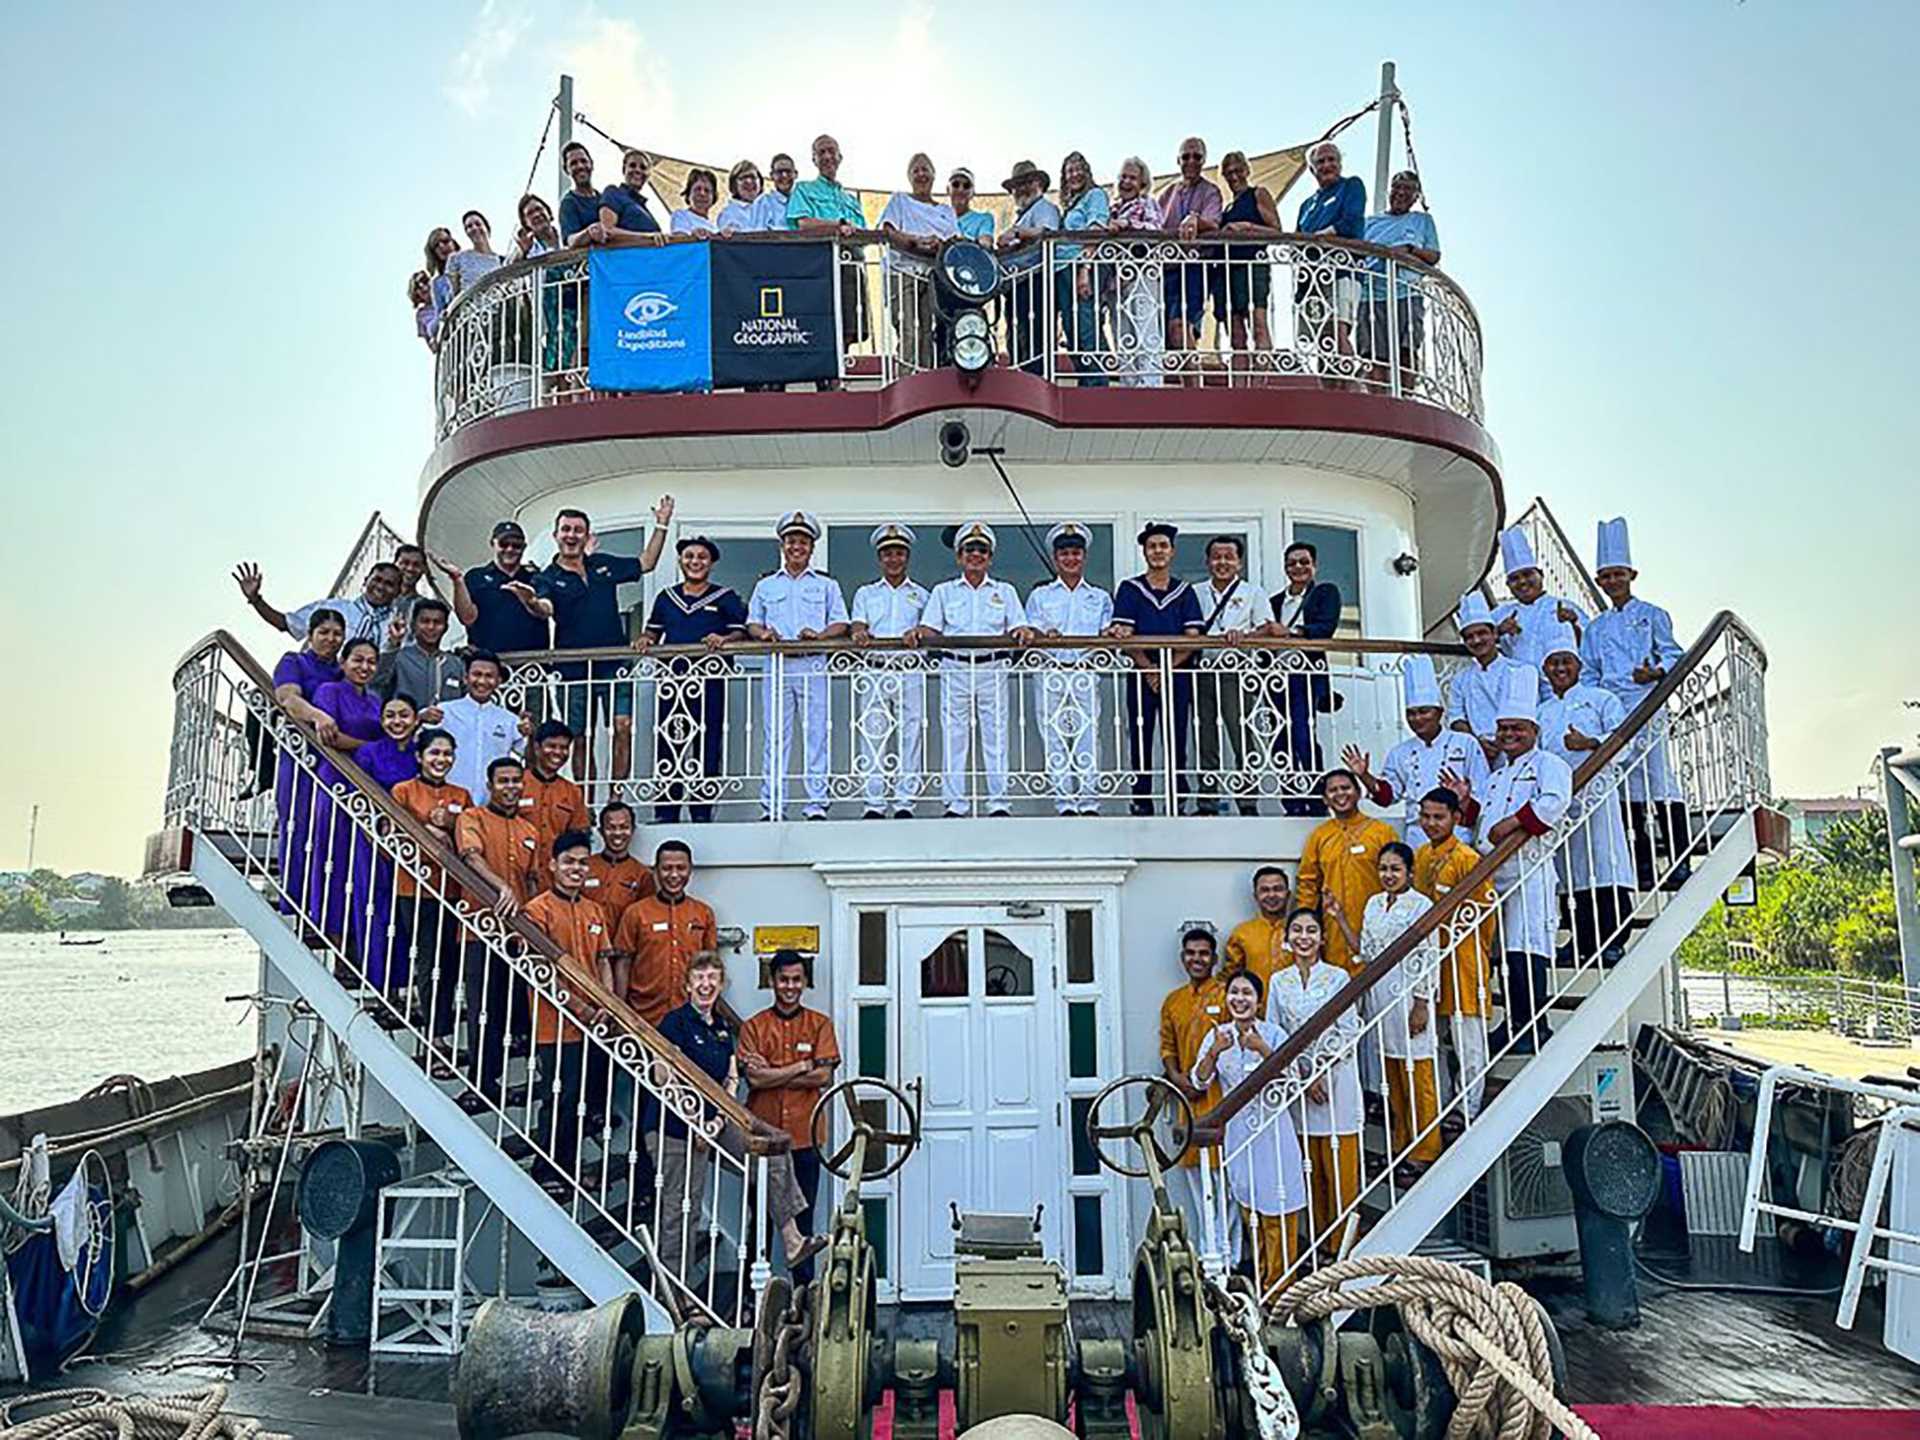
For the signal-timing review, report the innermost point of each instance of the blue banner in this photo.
(651, 319)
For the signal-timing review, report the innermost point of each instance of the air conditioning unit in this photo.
(1522, 1207)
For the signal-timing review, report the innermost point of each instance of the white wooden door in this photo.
(978, 1027)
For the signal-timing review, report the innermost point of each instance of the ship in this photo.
(372, 1230)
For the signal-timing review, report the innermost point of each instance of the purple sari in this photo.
(293, 795)
(387, 763)
(357, 713)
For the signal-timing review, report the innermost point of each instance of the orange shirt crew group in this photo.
(660, 937)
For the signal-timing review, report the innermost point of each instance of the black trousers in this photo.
(1526, 993)
(1644, 817)
(675, 715)
(1300, 742)
(806, 1174)
(1596, 914)
(1145, 710)
(424, 928)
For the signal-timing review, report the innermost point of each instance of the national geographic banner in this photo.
(773, 314)
(651, 325)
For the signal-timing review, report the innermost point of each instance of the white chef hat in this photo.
(1612, 548)
(975, 530)
(797, 520)
(1520, 695)
(1559, 636)
(892, 533)
(1473, 610)
(1422, 686)
(1516, 551)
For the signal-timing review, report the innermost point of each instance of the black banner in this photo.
(773, 314)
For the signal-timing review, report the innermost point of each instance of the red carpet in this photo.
(1728, 1422)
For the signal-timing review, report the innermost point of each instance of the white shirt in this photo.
(888, 610)
(1417, 977)
(916, 217)
(788, 604)
(481, 735)
(1291, 1002)
(1245, 608)
(1538, 779)
(1539, 627)
(1477, 693)
(1262, 1153)
(770, 211)
(686, 222)
(1594, 712)
(990, 608)
(1413, 768)
(1059, 608)
(736, 215)
(364, 621)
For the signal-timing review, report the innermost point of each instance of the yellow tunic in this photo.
(1437, 872)
(1186, 1015)
(1259, 945)
(1341, 859)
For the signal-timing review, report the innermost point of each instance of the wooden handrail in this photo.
(760, 1137)
(1334, 646)
(1211, 1129)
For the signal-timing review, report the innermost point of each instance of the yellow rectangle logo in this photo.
(769, 938)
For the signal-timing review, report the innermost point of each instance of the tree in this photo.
(50, 884)
(26, 910)
(115, 906)
(1867, 940)
(1857, 844)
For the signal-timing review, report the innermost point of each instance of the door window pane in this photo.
(1085, 1162)
(876, 1217)
(1083, 1046)
(943, 972)
(1009, 968)
(1339, 564)
(873, 947)
(1079, 947)
(873, 1040)
(1089, 1245)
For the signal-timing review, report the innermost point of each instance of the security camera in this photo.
(1404, 564)
(956, 444)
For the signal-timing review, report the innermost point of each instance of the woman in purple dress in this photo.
(354, 710)
(296, 680)
(387, 761)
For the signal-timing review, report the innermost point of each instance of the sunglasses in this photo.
(975, 550)
(1192, 155)
(960, 184)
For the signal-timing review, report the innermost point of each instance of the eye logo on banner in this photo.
(651, 324)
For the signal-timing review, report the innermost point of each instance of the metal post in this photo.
(1901, 822)
(566, 138)
(1383, 132)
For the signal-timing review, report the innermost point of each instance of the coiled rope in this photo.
(1490, 1339)
(96, 1415)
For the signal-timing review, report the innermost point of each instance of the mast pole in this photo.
(1383, 131)
(33, 834)
(566, 139)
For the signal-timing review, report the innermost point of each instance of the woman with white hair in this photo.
(1140, 337)
(743, 188)
(915, 223)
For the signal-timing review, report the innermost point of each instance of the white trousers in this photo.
(1069, 713)
(889, 723)
(1529, 909)
(969, 691)
(1470, 1048)
(796, 719)
(1183, 1188)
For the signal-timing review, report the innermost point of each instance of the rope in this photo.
(28, 1212)
(1491, 1339)
(533, 169)
(1413, 161)
(96, 1415)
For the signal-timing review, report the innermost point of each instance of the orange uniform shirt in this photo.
(554, 806)
(662, 936)
(578, 927)
(1186, 1015)
(785, 1040)
(1257, 944)
(616, 884)
(1342, 858)
(421, 797)
(508, 844)
(1465, 949)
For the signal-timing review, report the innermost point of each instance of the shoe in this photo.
(809, 1248)
(903, 812)
(1682, 873)
(1612, 956)
(1140, 807)
(1000, 812)
(816, 815)
(1249, 808)
(873, 814)
(953, 814)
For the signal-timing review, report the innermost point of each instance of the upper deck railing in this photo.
(1079, 309)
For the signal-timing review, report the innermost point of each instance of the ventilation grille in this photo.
(1536, 1179)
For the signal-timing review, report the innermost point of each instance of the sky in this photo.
(1666, 216)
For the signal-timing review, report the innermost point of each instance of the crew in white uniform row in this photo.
(890, 691)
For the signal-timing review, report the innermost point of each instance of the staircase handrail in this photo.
(758, 1136)
(1211, 1128)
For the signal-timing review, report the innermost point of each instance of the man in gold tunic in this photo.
(1439, 867)
(1341, 859)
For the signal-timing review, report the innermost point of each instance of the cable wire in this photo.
(553, 109)
(1046, 561)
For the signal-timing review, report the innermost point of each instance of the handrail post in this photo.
(774, 722)
(1393, 328)
(537, 361)
(1169, 762)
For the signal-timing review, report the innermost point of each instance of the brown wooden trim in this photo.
(761, 1138)
(1211, 1130)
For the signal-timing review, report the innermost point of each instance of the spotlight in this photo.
(965, 277)
(956, 444)
(972, 341)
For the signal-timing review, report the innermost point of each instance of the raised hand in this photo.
(1566, 614)
(1456, 782)
(247, 576)
(1358, 761)
(663, 512)
(1335, 910)
(445, 567)
(396, 633)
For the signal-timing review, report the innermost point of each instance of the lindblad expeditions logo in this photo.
(647, 313)
(649, 307)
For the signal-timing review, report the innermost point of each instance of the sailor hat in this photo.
(1516, 551)
(797, 520)
(892, 533)
(1473, 610)
(975, 530)
(1156, 527)
(680, 545)
(1067, 535)
(1520, 696)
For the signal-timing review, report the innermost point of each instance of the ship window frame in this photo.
(1356, 604)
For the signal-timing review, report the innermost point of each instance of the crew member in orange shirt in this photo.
(616, 877)
(1341, 858)
(660, 935)
(1187, 1015)
(1259, 943)
(500, 843)
(426, 923)
(788, 1054)
(560, 1047)
(551, 801)
(1439, 868)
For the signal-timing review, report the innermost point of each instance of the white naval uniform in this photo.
(1614, 644)
(1290, 1004)
(1476, 695)
(1527, 883)
(1417, 977)
(1412, 769)
(1599, 857)
(890, 695)
(973, 685)
(1065, 697)
(788, 604)
(1540, 627)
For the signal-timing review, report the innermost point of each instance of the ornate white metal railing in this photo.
(562, 1073)
(1686, 764)
(1090, 309)
(970, 726)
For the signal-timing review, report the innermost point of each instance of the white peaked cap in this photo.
(1473, 610)
(1422, 686)
(1612, 547)
(975, 530)
(1516, 551)
(1559, 636)
(797, 520)
(1520, 696)
(892, 533)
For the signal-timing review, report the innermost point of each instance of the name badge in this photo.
(526, 804)
(591, 884)
(593, 929)
(1213, 1009)
(1356, 849)
(803, 1048)
(455, 809)
(659, 925)
(1443, 889)
(528, 844)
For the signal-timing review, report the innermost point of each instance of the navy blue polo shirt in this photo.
(586, 611)
(1146, 611)
(629, 208)
(578, 211)
(678, 618)
(710, 1046)
(504, 624)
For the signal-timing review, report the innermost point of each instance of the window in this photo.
(873, 947)
(1083, 1041)
(1089, 1244)
(1020, 564)
(1009, 968)
(1079, 947)
(943, 970)
(1339, 564)
(873, 1029)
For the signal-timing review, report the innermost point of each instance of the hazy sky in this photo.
(1683, 227)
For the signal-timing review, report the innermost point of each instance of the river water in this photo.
(146, 1002)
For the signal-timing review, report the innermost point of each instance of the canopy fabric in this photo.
(1275, 169)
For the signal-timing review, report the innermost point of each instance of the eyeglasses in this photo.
(781, 171)
(509, 544)
(1193, 154)
(975, 550)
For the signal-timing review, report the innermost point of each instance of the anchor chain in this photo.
(1274, 1414)
(780, 1387)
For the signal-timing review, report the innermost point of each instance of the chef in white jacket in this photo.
(1527, 796)
(1413, 767)
(1595, 867)
(1477, 688)
(1530, 620)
